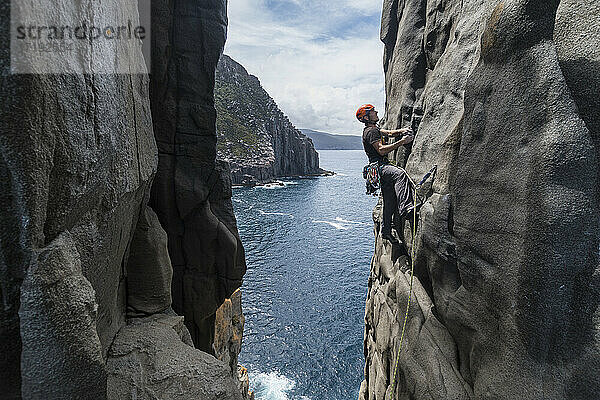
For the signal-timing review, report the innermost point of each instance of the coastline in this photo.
(277, 181)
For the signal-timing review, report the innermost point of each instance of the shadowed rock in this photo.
(79, 249)
(205, 250)
(78, 155)
(149, 270)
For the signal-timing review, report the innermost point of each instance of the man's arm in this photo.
(384, 149)
(396, 132)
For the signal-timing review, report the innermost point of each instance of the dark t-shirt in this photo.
(371, 134)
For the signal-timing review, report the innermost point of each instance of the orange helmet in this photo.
(363, 112)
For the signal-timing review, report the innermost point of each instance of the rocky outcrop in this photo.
(505, 303)
(154, 358)
(229, 329)
(86, 278)
(255, 137)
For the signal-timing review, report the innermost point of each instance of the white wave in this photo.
(334, 224)
(278, 184)
(275, 213)
(272, 386)
(345, 221)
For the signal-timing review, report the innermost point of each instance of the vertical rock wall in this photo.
(505, 303)
(191, 192)
(85, 273)
(75, 170)
(294, 153)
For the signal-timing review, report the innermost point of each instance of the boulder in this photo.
(153, 358)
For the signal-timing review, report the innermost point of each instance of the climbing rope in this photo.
(412, 269)
(412, 274)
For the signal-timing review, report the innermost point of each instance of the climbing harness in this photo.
(372, 176)
(431, 172)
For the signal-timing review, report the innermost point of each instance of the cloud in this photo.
(318, 59)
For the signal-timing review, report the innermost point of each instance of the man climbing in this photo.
(395, 185)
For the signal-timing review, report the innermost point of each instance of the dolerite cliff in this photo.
(116, 220)
(255, 137)
(503, 98)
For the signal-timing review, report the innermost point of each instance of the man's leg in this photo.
(403, 191)
(389, 198)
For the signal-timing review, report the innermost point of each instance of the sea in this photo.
(309, 242)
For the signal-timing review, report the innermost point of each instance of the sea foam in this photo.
(277, 185)
(275, 213)
(345, 221)
(334, 224)
(273, 386)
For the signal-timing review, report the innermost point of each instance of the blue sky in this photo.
(318, 59)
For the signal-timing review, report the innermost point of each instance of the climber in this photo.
(395, 184)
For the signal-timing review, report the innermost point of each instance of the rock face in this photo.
(149, 270)
(82, 256)
(59, 336)
(205, 250)
(73, 166)
(255, 137)
(505, 303)
(154, 358)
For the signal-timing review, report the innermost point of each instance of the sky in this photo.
(319, 59)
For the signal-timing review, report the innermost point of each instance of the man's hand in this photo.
(396, 132)
(406, 139)
(405, 132)
(384, 149)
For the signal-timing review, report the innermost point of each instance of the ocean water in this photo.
(308, 248)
